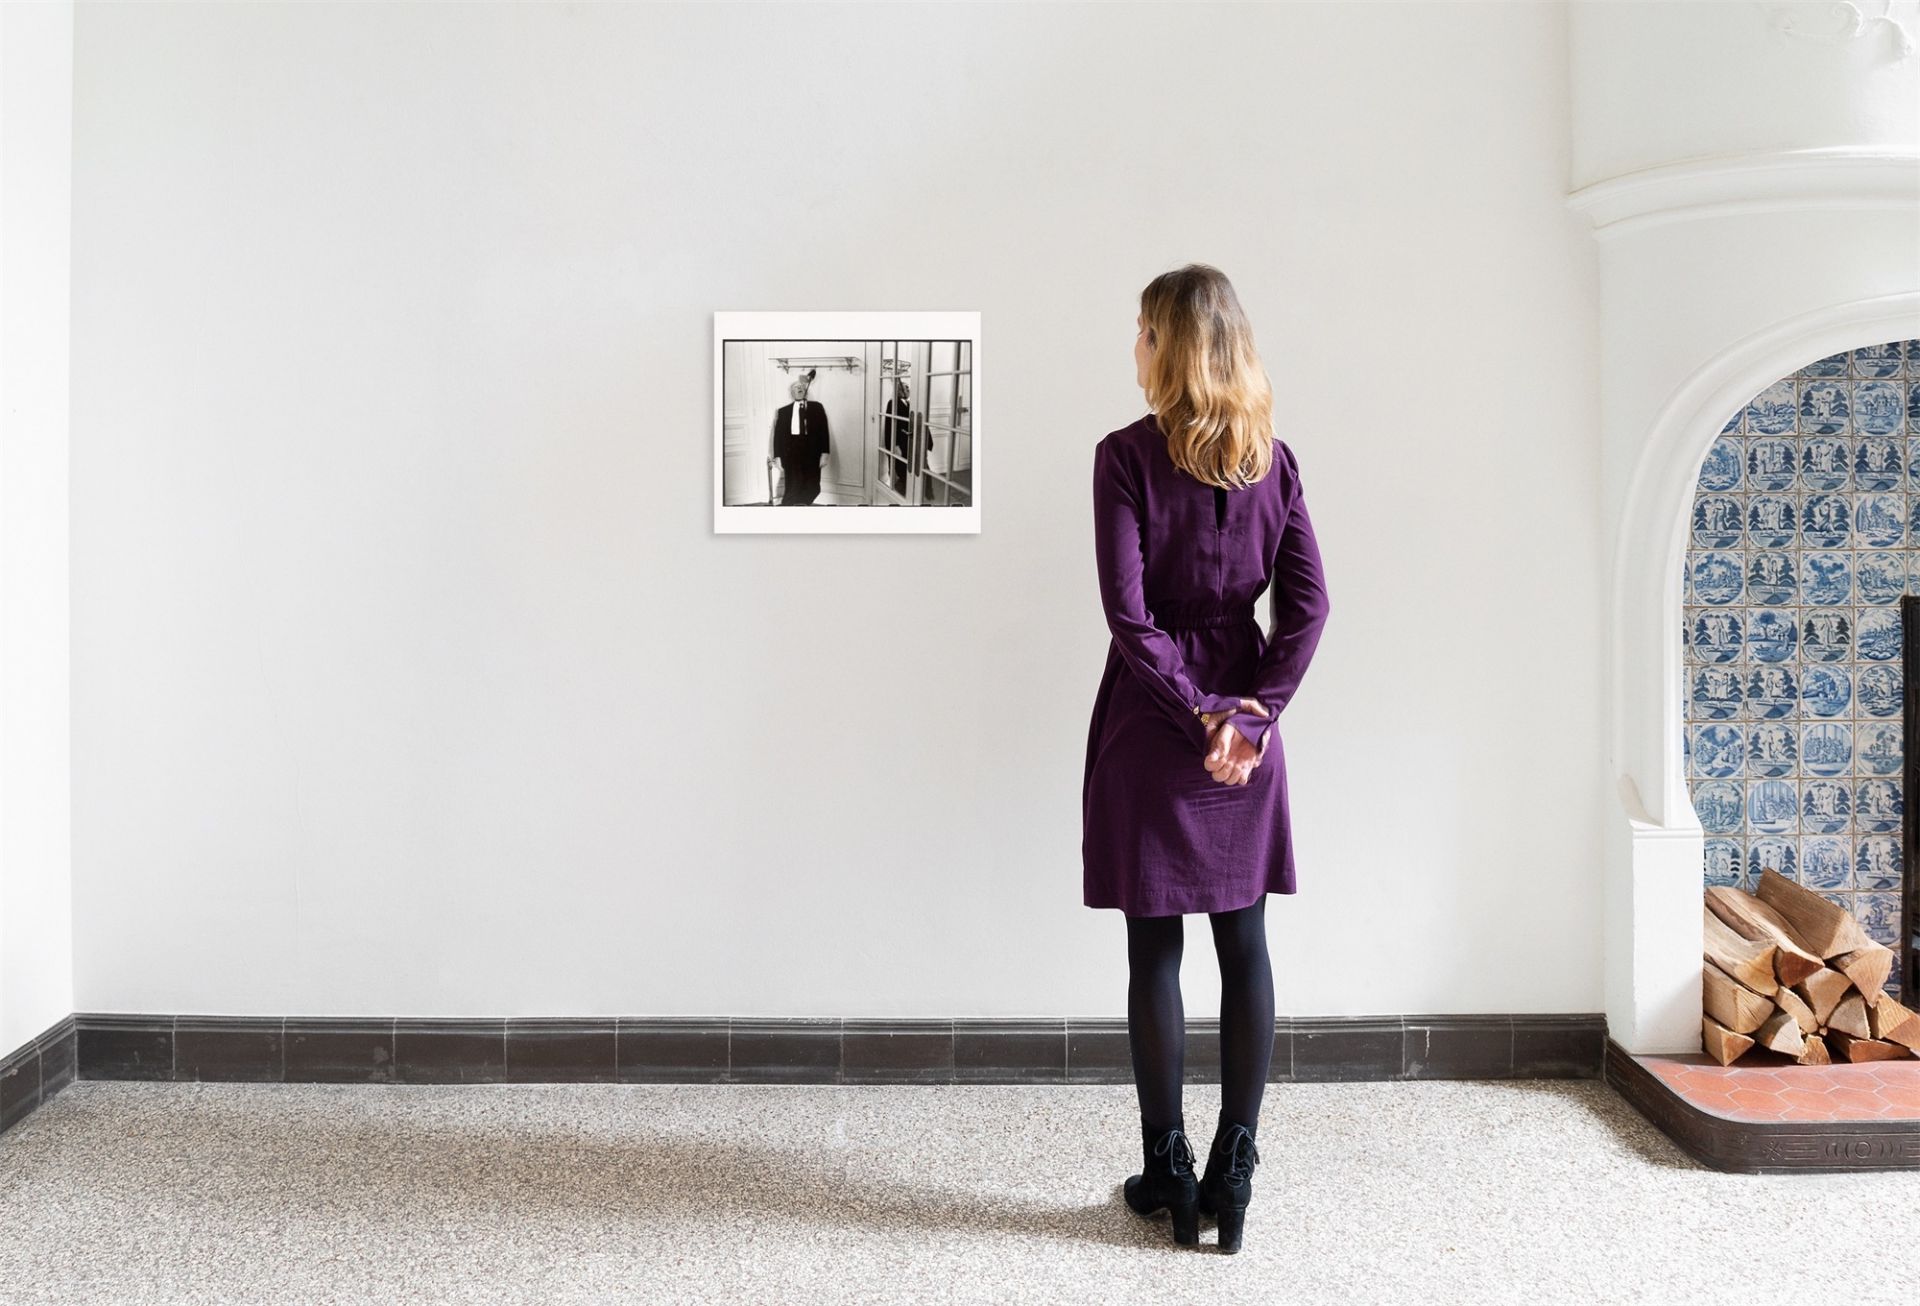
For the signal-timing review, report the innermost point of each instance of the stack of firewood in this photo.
(1789, 970)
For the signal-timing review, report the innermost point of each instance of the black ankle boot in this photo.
(1227, 1186)
(1167, 1181)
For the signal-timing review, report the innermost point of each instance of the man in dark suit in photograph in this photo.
(799, 444)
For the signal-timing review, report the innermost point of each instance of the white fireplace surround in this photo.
(1719, 275)
(1755, 199)
(1653, 893)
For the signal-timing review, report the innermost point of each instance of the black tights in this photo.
(1156, 1020)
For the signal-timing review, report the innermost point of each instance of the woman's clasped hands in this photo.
(1230, 759)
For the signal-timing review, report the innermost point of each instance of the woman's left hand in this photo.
(1231, 759)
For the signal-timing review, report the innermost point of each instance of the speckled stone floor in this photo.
(1439, 1191)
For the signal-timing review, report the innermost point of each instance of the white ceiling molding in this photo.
(1840, 177)
(1844, 22)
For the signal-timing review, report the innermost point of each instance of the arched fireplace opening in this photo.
(1803, 546)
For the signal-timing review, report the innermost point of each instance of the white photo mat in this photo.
(848, 344)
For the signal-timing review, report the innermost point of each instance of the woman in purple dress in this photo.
(1197, 509)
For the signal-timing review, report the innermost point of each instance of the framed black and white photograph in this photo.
(846, 422)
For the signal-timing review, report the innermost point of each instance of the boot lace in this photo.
(1240, 1153)
(1174, 1146)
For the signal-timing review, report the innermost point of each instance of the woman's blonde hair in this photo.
(1205, 383)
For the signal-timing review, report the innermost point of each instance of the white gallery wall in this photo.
(408, 676)
(36, 892)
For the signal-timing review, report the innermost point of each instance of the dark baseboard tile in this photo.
(450, 1050)
(896, 1051)
(804, 1050)
(562, 1050)
(31, 1074)
(1518, 1046)
(989, 1050)
(1346, 1048)
(1555, 1046)
(784, 1050)
(339, 1050)
(113, 1046)
(1458, 1047)
(671, 1049)
(230, 1048)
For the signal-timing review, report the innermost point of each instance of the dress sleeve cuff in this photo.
(1252, 727)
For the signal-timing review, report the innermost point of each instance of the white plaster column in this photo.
(1752, 175)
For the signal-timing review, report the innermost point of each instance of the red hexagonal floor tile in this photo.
(1772, 1087)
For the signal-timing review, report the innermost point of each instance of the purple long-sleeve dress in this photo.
(1181, 565)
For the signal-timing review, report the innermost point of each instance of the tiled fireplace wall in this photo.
(1805, 535)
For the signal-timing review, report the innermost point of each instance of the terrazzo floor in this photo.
(1439, 1191)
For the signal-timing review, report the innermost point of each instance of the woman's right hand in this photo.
(1231, 759)
(1212, 719)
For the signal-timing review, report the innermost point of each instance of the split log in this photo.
(1822, 991)
(1747, 960)
(1815, 1052)
(1888, 1020)
(1752, 919)
(1868, 968)
(1721, 1043)
(1866, 1049)
(1794, 1005)
(1818, 925)
(1850, 1017)
(1782, 1035)
(1732, 1003)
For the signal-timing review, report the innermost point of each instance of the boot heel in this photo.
(1227, 1186)
(1186, 1221)
(1233, 1220)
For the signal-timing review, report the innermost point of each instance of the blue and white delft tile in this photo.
(1826, 807)
(1721, 806)
(1772, 521)
(1877, 634)
(1804, 535)
(1716, 692)
(1725, 863)
(1716, 636)
(1826, 690)
(1878, 461)
(1773, 807)
(1771, 692)
(1879, 518)
(1876, 360)
(1879, 691)
(1771, 636)
(1879, 915)
(1878, 806)
(1826, 578)
(1772, 750)
(1826, 410)
(1826, 636)
(1826, 747)
(1881, 577)
(1826, 862)
(1877, 863)
(1772, 854)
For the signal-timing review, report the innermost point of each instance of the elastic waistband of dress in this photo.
(1180, 614)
